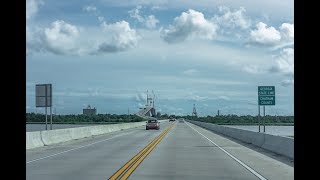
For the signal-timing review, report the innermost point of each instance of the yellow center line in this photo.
(133, 160)
(123, 168)
(138, 162)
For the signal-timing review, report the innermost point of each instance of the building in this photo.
(89, 110)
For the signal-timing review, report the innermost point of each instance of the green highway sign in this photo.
(267, 100)
(266, 95)
(266, 90)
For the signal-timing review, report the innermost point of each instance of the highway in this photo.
(179, 150)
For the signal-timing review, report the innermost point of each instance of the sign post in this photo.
(266, 97)
(44, 99)
(259, 117)
(264, 119)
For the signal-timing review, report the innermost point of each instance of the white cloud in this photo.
(287, 32)
(135, 13)
(101, 19)
(60, 37)
(264, 35)
(122, 37)
(287, 82)
(274, 7)
(232, 19)
(33, 40)
(149, 21)
(190, 23)
(196, 97)
(141, 97)
(190, 72)
(89, 8)
(224, 98)
(156, 7)
(63, 38)
(269, 36)
(253, 69)
(183, 81)
(32, 7)
(284, 63)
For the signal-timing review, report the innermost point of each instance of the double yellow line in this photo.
(126, 170)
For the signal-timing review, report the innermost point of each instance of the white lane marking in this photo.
(240, 162)
(77, 148)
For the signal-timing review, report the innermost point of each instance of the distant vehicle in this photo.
(171, 119)
(181, 120)
(153, 124)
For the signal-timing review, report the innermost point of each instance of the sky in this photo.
(210, 53)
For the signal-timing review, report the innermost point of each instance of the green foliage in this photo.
(99, 118)
(235, 119)
(248, 119)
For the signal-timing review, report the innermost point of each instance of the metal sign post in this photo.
(259, 116)
(266, 97)
(44, 99)
(50, 118)
(264, 114)
(50, 104)
(46, 120)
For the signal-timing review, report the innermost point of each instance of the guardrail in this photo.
(277, 144)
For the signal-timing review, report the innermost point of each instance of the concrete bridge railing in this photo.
(46, 138)
(277, 144)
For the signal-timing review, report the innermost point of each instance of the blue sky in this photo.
(210, 53)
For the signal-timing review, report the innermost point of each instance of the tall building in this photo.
(90, 110)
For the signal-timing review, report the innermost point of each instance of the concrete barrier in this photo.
(81, 132)
(45, 138)
(277, 144)
(56, 136)
(33, 140)
(280, 145)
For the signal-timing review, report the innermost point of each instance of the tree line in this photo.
(235, 119)
(83, 118)
(115, 118)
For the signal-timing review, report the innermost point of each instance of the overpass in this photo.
(179, 150)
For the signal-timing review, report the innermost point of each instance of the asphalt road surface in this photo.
(179, 150)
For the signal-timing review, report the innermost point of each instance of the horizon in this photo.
(163, 114)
